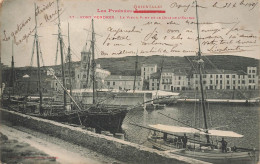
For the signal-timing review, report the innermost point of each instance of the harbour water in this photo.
(238, 118)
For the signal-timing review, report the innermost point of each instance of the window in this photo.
(210, 81)
(249, 71)
(220, 76)
(78, 76)
(233, 76)
(164, 86)
(204, 82)
(253, 76)
(196, 82)
(228, 87)
(238, 81)
(220, 81)
(249, 76)
(253, 71)
(114, 83)
(238, 87)
(204, 76)
(211, 76)
(227, 81)
(108, 83)
(216, 76)
(234, 82)
(84, 76)
(144, 69)
(227, 76)
(249, 81)
(243, 81)
(216, 81)
(179, 78)
(152, 84)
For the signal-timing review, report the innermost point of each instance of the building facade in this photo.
(83, 73)
(166, 79)
(119, 82)
(154, 81)
(147, 70)
(181, 79)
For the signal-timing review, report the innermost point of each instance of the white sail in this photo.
(177, 129)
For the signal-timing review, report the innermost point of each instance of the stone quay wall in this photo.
(110, 146)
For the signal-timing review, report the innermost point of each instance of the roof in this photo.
(241, 72)
(167, 70)
(155, 75)
(149, 65)
(217, 71)
(122, 78)
(180, 72)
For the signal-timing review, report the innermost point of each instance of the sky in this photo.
(229, 27)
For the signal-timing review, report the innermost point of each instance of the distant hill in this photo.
(126, 65)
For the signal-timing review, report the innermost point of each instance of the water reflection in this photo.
(238, 118)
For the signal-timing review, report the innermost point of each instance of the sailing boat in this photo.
(97, 116)
(201, 150)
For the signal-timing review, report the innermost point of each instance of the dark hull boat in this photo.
(102, 119)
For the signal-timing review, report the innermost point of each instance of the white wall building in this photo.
(147, 70)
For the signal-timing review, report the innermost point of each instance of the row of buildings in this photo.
(82, 77)
(152, 78)
(181, 79)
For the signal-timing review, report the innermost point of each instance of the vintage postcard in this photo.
(120, 81)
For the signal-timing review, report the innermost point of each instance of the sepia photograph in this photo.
(129, 82)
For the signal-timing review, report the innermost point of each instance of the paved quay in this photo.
(63, 151)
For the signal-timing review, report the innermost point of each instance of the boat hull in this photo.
(101, 121)
(108, 118)
(216, 157)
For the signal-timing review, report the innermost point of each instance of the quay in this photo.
(118, 97)
(222, 101)
(107, 145)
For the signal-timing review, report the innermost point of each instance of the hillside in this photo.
(126, 65)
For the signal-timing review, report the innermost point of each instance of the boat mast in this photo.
(12, 73)
(93, 60)
(200, 62)
(38, 61)
(136, 62)
(61, 55)
(69, 56)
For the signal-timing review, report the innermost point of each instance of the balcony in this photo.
(166, 82)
